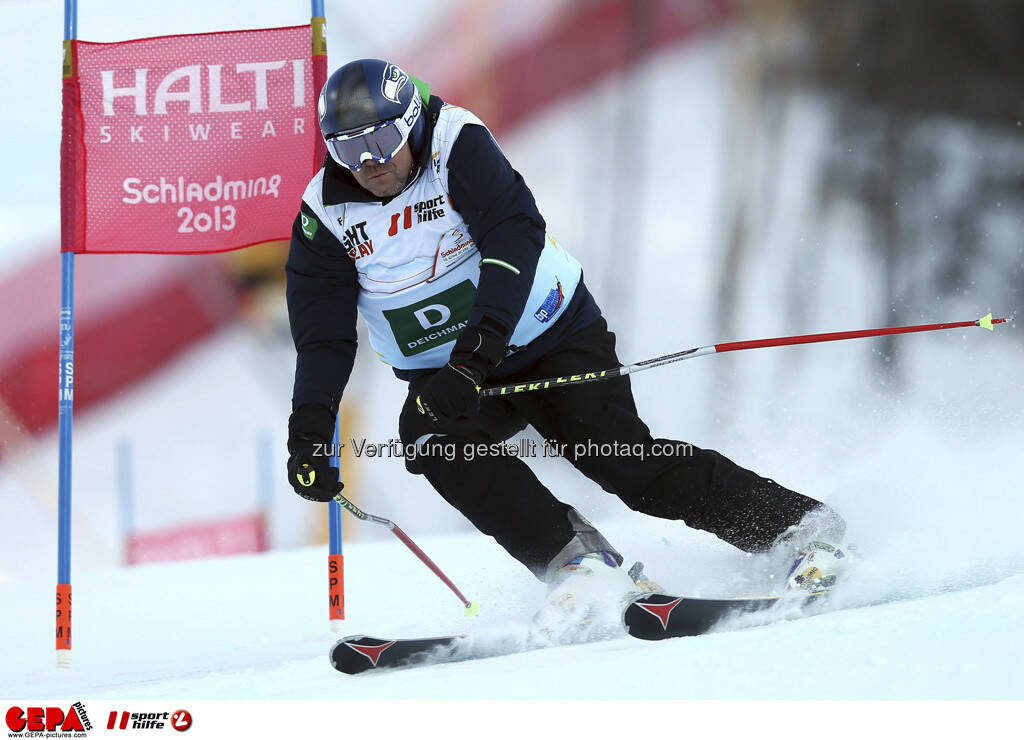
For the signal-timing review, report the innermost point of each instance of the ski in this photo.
(651, 617)
(660, 616)
(360, 653)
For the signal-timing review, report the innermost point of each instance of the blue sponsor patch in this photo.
(550, 305)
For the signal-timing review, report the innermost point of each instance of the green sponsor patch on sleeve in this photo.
(309, 225)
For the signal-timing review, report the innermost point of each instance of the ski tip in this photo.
(473, 610)
(351, 638)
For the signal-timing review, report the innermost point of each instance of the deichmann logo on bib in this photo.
(433, 321)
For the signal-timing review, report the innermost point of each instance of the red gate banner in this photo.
(187, 144)
(243, 534)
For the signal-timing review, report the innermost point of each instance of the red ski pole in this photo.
(985, 322)
(471, 607)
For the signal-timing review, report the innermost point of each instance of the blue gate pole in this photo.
(335, 556)
(65, 412)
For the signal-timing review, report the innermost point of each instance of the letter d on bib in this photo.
(436, 308)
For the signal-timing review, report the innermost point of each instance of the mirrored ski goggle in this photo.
(379, 143)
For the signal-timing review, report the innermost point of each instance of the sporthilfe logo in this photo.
(180, 720)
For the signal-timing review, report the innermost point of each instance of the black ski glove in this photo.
(454, 390)
(310, 433)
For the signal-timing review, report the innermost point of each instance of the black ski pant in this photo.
(665, 478)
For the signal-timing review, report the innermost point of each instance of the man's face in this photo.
(385, 180)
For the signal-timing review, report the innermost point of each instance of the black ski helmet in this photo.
(368, 93)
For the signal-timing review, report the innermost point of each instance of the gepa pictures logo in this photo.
(48, 721)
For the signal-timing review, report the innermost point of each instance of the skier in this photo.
(418, 221)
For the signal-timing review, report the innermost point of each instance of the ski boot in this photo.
(817, 567)
(587, 596)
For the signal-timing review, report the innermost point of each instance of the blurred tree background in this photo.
(926, 102)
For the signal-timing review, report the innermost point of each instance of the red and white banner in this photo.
(187, 144)
(243, 534)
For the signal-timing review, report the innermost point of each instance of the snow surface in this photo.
(255, 627)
